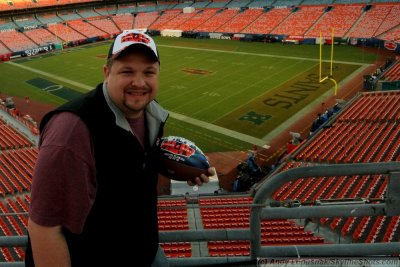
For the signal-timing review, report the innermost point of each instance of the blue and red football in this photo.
(181, 159)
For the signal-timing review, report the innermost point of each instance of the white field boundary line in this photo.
(209, 126)
(262, 55)
(218, 129)
(53, 76)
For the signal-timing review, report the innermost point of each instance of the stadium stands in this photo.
(341, 18)
(41, 36)
(297, 23)
(198, 19)
(273, 232)
(220, 18)
(393, 73)
(302, 19)
(369, 23)
(167, 16)
(268, 21)
(240, 21)
(373, 117)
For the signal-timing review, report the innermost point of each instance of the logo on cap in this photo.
(135, 37)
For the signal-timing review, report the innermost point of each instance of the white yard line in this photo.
(53, 76)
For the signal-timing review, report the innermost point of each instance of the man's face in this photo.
(132, 82)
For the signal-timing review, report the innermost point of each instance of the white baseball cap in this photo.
(132, 37)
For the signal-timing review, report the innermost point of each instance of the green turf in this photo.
(341, 52)
(281, 102)
(216, 81)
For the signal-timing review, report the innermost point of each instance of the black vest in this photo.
(127, 188)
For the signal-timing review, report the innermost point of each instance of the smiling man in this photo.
(98, 167)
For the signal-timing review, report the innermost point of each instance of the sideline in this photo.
(264, 55)
(206, 125)
(218, 129)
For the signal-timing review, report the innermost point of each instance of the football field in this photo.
(224, 95)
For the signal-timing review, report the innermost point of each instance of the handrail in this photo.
(261, 209)
(273, 183)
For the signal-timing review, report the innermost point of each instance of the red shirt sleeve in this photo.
(64, 182)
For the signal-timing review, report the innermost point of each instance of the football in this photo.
(181, 159)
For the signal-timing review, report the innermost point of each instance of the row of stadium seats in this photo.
(393, 74)
(151, 7)
(307, 21)
(18, 163)
(374, 117)
(12, 225)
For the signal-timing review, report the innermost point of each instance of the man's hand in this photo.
(203, 178)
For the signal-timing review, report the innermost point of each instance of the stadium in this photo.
(295, 102)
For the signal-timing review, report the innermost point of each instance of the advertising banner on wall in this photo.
(38, 50)
(222, 36)
(390, 45)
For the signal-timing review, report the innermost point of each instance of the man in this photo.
(98, 166)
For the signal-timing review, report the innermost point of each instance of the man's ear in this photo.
(106, 71)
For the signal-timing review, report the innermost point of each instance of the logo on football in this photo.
(181, 159)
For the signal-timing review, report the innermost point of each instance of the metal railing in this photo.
(261, 209)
